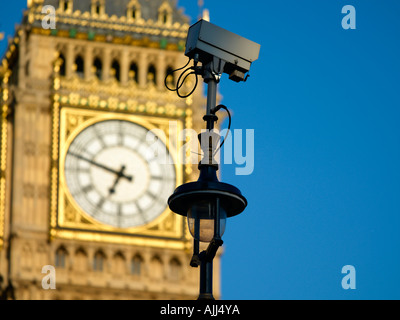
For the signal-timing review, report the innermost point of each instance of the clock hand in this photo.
(120, 173)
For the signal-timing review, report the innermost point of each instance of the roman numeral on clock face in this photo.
(87, 189)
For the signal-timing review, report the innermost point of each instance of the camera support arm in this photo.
(212, 73)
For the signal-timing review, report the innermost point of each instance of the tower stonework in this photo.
(82, 107)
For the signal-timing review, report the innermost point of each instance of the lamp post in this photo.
(207, 203)
(8, 292)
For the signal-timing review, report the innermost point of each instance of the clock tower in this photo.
(92, 146)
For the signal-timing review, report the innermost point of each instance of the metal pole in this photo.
(211, 101)
(206, 257)
(206, 278)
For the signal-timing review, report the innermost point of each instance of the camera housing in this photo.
(209, 41)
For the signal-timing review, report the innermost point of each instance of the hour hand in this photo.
(120, 175)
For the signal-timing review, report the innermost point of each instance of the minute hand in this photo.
(118, 173)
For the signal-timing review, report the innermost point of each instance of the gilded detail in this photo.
(80, 108)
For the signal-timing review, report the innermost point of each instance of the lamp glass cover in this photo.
(201, 221)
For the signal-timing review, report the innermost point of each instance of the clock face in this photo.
(119, 173)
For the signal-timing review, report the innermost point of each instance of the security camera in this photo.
(207, 41)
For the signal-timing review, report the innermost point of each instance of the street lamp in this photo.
(207, 203)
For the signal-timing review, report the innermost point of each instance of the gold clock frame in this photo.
(68, 221)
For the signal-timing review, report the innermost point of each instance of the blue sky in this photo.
(325, 106)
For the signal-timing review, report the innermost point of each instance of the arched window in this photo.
(170, 77)
(133, 73)
(98, 7)
(27, 257)
(175, 270)
(115, 70)
(98, 68)
(164, 17)
(79, 66)
(27, 67)
(137, 265)
(119, 264)
(133, 11)
(66, 5)
(99, 261)
(61, 257)
(62, 65)
(80, 260)
(151, 75)
(165, 13)
(156, 267)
